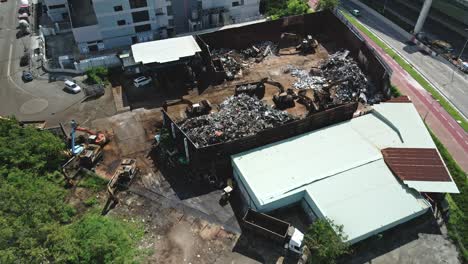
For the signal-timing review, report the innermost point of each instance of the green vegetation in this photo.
(97, 75)
(325, 239)
(281, 8)
(394, 91)
(327, 4)
(92, 181)
(407, 67)
(94, 239)
(458, 203)
(36, 224)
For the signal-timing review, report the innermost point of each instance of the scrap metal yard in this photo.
(243, 90)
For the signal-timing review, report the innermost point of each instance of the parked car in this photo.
(27, 76)
(24, 60)
(141, 81)
(72, 87)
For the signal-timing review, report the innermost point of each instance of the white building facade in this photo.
(108, 24)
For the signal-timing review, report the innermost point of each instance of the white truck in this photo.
(275, 229)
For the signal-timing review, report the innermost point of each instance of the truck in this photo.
(274, 229)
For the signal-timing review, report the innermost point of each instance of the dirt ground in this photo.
(271, 67)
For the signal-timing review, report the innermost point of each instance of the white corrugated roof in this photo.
(341, 168)
(166, 50)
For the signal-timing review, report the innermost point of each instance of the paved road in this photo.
(39, 99)
(436, 70)
(441, 123)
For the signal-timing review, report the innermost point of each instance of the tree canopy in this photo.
(36, 223)
(325, 239)
(281, 8)
(327, 4)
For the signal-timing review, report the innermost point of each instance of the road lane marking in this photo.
(444, 118)
(450, 124)
(11, 79)
(9, 60)
(459, 134)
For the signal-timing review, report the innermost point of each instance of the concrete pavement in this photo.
(36, 100)
(441, 123)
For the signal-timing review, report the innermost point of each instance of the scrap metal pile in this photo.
(338, 75)
(238, 116)
(234, 61)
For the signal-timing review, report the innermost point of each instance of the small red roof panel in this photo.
(416, 164)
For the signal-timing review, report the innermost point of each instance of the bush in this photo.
(394, 91)
(281, 8)
(97, 75)
(92, 181)
(327, 4)
(94, 239)
(325, 239)
(36, 224)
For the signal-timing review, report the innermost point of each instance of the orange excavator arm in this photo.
(86, 130)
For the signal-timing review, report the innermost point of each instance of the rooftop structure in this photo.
(163, 51)
(339, 172)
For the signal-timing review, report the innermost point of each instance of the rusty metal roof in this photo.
(400, 99)
(416, 164)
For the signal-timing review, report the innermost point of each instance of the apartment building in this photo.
(194, 15)
(105, 24)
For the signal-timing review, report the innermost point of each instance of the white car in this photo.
(72, 87)
(141, 81)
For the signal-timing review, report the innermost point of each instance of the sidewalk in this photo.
(438, 120)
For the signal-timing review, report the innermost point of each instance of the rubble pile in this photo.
(339, 72)
(338, 67)
(304, 79)
(239, 116)
(235, 61)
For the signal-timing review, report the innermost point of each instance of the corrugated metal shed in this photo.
(339, 171)
(166, 50)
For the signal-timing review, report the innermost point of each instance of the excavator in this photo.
(121, 180)
(97, 138)
(90, 152)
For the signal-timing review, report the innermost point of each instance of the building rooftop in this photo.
(340, 171)
(166, 50)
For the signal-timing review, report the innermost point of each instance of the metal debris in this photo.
(338, 75)
(234, 61)
(239, 116)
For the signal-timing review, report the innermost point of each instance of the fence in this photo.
(108, 61)
(205, 155)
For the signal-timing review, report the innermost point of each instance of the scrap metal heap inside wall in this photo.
(337, 80)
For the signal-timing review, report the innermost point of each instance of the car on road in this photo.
(141, 81)
(72, 87)
(27, 76)
(464, 66)
(356, 12)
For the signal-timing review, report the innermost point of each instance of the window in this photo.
(137, 3)
(143, 28)
(169, 11)
(56, 6)
(140, 16)
(118, 8)
(159, 11)
(170, 22)
(121, 22)
(236, 3)
(65, 16)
